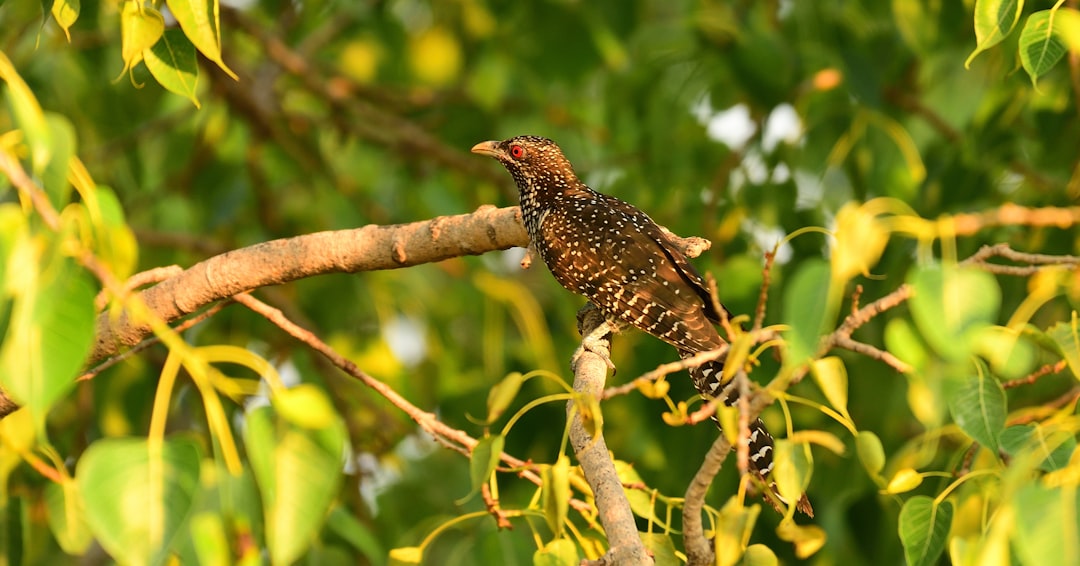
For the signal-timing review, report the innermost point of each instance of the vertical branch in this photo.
(590, 371)
(698, 550)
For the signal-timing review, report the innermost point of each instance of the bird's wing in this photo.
(631, 272)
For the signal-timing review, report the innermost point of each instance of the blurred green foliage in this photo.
(349, 113)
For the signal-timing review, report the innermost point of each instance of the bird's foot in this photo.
(530, 253)
(596, 331)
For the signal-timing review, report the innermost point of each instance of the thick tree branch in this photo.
(344, 251)
(590, 372)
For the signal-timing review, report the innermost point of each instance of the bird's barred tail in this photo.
(706, 380)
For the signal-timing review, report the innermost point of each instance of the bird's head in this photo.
(536, 163)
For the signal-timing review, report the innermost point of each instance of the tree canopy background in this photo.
(321, 116)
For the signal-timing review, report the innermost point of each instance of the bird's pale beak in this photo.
(490, 148)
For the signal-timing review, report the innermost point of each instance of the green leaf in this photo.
(871, 453)
(173, 64)
(209, 539)
(1008, 352)
(67, 517)
(298, 471)
(923, 527)
(502, 394)
(994, 20)
(115, 242)
(201, 22)
(806, 310)
(978, 407)
(556, 493)
(902, 340)
(661, 548)
(1054, 448)
(345, 525)
(50, 331)
(482, 462)
(952, 306)
(1066, 337)
(140, 28)
(559, 552)
(54, 178)
(1046, 525)
(641, 502)
(1041, 46)
(137, 500)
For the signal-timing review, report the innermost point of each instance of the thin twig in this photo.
(1033, 376)
(426, 420)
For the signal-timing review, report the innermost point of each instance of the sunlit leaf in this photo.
(903, 481)
(1047, 525)
(140, 28)
(298, 471)
(923, 526)
(1055, 448)
(860, 239)
(201, 22)
(209, 539)
(808, 539)
(871, 453)
(66, 12)
(831, 376)
(1009, 353)
(67, 516)
(994, 20)
(661, 548)
(733, 528)
(305, 405)
(559, 552)
(49, 334)
(172, 62)
(1066, 336)
(28, 115)
(793, 467)
(435, 56)
(137, 498)
(978, 407)
(54, 178)
(953, 306)
(406, 555)
(641, 502)
(759, 555)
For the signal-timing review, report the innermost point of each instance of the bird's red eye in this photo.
(517, 152)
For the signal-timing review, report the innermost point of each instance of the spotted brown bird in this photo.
(615, 255)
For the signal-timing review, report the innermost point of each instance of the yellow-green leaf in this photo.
(871, 453)
(65, 12)
(500, 396)
(201, 22)
(305, 405)
(831, 376)
(172, 62)
(140, 28)
(482, 462)
(794, 464)
(1041, 45)
(994, 19)
(905, 480)
(733, 529)
(807, 539)
(28, 115)
(556, 493)
(559, 552)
